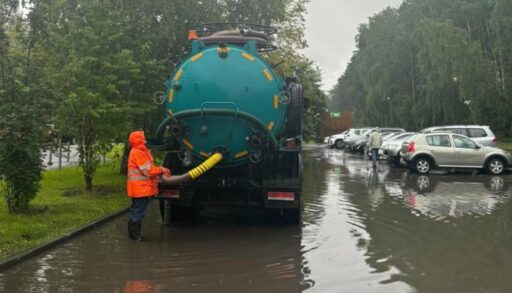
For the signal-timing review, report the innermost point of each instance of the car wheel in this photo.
(339, 144)
(422, 165)
(397, 160)
(495, 166)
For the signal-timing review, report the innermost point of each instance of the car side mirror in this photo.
(478, 146)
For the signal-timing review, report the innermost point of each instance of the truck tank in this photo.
(224, 98)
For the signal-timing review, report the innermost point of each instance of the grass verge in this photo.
(61, 206)
(506, 145)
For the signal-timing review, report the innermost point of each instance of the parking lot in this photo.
(444, 148)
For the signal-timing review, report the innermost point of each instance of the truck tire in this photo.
(292, 216)
(295, 110)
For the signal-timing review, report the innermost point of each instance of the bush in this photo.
(20, 156)
(115, 155)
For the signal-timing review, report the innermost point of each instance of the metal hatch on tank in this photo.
(225, 98)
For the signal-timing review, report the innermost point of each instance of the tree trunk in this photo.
(88, 181)
(87, 153)
(123, 168)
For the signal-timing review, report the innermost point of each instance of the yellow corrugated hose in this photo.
(205, 166)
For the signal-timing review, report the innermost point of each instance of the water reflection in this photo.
(364, 230)
(339, 244)
(435, 233)
(454, 195)
(223, 256)
(139, 286)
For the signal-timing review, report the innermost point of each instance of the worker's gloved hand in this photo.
(166, 171)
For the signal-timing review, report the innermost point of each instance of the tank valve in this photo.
(255, 140)
(223, 51)
(176, 129)
(186, 157)
(256, 156)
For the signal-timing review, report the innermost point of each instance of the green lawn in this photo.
(61, 206)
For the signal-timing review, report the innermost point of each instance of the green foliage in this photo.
(20, 112)
(115, 155)
(432, 62)
(20, 161)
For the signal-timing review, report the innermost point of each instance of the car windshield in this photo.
(393, 135)
(388, 135)
(402, 136)
(411, 138)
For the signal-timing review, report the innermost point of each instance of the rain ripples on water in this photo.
(364, 230)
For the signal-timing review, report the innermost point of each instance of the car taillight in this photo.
(494, 140)
(411, 148)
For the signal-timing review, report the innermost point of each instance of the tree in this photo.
(20, 114)
(432, 62)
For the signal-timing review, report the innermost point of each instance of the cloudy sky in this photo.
(331, 28)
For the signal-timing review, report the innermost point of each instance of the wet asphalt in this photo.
(363, 230)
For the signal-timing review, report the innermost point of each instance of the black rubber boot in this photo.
(130, 230)
(136, 227)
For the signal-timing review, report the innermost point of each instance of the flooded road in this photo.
(362, 231)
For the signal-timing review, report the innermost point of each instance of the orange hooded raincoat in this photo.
(142, 177)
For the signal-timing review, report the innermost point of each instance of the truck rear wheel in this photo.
(295, 110)
(291, 216)
(173, 213)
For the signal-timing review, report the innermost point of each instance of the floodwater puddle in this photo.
(364, 230)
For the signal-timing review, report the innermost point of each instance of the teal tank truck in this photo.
(225, 99)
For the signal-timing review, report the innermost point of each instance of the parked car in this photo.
(351, 139)
(450, 150)
(479, 133)
(338, 140)
(359, 145)
(392, 147)
(326, 140)
(387, 134)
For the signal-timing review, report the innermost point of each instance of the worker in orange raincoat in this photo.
(142, 181)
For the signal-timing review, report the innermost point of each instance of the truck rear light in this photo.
(411, 148)
(281, 195)
(170, 193)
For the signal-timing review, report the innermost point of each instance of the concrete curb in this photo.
(13, 260)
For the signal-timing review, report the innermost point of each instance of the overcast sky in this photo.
(331, 28)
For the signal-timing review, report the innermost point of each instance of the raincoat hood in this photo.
(137, 140)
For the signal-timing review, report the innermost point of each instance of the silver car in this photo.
(449, 150)
(481, 134)
(338, 140)
(393, 146)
